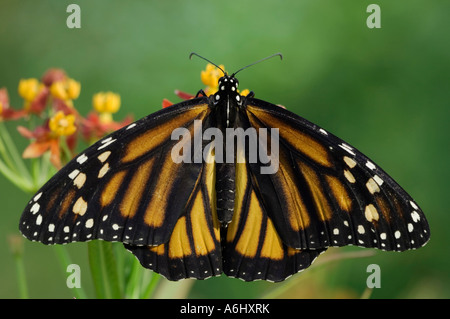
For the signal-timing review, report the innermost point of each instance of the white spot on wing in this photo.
(103, 170)
(89, 223)
(349, 161)
(361, 229)
(378, 180)
(415, 216)
(37, 196)
(347, 148)
(104, 156)
(80, 180)
(80, 207)
(82, 158)
(370, 165)
(106, 142)
(349, 176)
(372, 186)
(371, 213)
(35, 208)
(74, 174)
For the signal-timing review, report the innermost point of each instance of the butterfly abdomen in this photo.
(225, 186)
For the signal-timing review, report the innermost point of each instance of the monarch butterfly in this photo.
(201, 216)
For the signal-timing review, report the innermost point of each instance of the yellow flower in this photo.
(106, 103)
(62, 125)
(68, 89)
(244, 92)
(73, 89)
(29, 88)
(210, 77)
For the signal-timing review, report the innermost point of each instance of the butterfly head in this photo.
(228, 89)
(228, 83)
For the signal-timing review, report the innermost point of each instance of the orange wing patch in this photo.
(321, 203)
(298, 140)
(132, 199)
(151, 139)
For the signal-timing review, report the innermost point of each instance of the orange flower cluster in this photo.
(50, 99)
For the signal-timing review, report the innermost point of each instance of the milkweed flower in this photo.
(100, 122)
(210, 77)
(29, 88)
(6, 112)
(106, 103)
(61, 124)
(66, 90)
(43, 140)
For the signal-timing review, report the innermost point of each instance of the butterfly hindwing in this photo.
(120, 188)
(327, 193)
(193, 249)
(253, 248)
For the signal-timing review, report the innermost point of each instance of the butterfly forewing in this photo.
(327, 193)
(120, 188)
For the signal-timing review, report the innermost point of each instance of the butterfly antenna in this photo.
(266, 58)
(193, 53)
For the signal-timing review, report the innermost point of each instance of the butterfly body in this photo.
(225, 105)
(205, 203)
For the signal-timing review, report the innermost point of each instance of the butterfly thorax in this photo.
(226, 102)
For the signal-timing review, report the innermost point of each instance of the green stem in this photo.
(16, 246)
(120, 261)
(15, 156)
(35, 170)
(151, 285)
(67, 153)
(21, 278)
(111, 273)
(46, 171)
(95, 264)
(14, 178)
(3, 152)
(132, 286)
(103, 267)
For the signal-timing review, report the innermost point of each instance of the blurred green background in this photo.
(385, 91)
